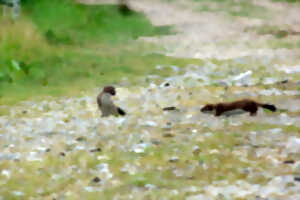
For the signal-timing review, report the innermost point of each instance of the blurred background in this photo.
(63, 46)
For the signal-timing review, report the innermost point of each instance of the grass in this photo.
(287, 44)
(93, 45)
(79, 71)
(234, 8)
(83, 23)
(287, 1)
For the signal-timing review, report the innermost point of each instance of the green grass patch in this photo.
(266, 127)
(276, 31)
(286, 44)
(62, 48)
(76, 71)
(69, 22)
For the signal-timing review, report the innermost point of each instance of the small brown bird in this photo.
(106, 104)
(236, 107)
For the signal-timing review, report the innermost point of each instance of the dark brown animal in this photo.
(236, 107)
(105, 103)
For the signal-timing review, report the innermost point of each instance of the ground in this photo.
(60, 148)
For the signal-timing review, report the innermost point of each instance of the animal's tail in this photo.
(269, 107)
(121, 111)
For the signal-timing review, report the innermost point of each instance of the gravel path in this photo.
(213, 34)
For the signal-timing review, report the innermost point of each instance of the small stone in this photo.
(150, 186)
(190, 177)
(155, 142)
(96, 180)
(18, 193)
(24, 112)
(174, 159)
(62, 154)
(289, 162)
(150, 123)
(167, 84)
(196, 150)
(259, 198)
(169, 108)
(96, 150)
(48, 150)
(139, 148)
(80, 139)
(168, 135)
(67, 120)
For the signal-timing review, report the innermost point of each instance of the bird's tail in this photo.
(121, 111)
(269, 107)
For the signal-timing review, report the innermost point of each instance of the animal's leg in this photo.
(253, 110)
(218, 112)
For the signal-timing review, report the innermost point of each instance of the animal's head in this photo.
(110, 89)
(208, 108)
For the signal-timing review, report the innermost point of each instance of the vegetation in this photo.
(234, 8)
(288, 1)
(60, 47)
